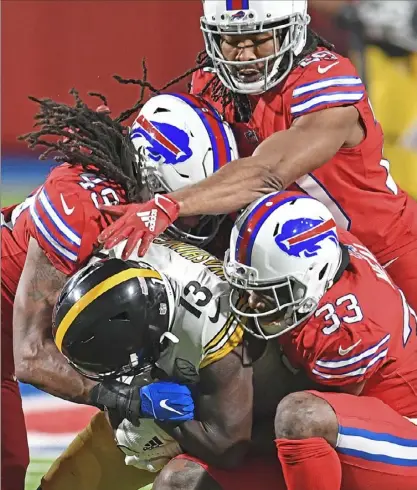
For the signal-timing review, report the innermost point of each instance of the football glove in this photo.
(163, 401)
(138, 223)
(167, 402)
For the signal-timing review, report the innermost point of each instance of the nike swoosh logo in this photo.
(326, 68)
(68, 211)
(343, 352)
(163, 404)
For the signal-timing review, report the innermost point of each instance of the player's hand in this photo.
(163, 401)
(138, 222)
(119, 398)
(167, 402)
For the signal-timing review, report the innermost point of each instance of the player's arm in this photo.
(222, 434)
(311, 141)
(322, 116)
(348, 357)
(37, 359)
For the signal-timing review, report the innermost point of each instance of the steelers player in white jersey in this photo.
(170, 310)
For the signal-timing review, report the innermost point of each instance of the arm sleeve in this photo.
(348, 357)
(65, 223)
(324, 83)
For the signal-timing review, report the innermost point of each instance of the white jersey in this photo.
(206, 329)
(204, 326)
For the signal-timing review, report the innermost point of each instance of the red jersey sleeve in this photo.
(65, 220)
(348, 355)
(323, 80)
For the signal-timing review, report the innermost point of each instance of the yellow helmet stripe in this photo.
(97, 291)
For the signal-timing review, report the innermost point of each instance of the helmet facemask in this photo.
(285, 300)
(154, 183)
(289, 36)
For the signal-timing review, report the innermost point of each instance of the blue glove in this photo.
(166, 402)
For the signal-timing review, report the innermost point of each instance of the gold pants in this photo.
(93, 462)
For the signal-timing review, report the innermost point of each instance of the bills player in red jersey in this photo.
(338, 316)
(307, 114)
(54, 232)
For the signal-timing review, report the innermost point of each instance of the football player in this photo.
(54, 231)
(307, 113)
(339, 317)
(172, 310)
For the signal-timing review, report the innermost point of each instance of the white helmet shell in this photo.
(285, 243)
(180, 139)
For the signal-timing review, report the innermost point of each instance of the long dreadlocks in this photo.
(83, 136)
(218, 91)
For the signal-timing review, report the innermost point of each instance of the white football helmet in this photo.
(181, 139)
(285, 248)
(287, 20)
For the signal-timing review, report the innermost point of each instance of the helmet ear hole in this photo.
(323, 271)
(161, 109)
(121, 316)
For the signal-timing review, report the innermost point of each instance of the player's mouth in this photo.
(249, 75)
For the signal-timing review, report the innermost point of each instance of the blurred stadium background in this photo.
(49, 47)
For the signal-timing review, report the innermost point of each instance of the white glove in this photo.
(147, 447)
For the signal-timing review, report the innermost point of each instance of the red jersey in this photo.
(362, 330)
(63, 217)
(355, 184)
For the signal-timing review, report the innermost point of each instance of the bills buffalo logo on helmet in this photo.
(303, 237)
(238, 15)
(164, 143)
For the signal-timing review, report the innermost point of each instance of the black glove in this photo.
(117, 397)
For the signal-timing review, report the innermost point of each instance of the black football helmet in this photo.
(110, 317)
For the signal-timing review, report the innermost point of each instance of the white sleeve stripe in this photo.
(53, 215)
(329, 82)
(356, 372)
(379, 449)
(322, 99)
(353, 360)
(406, 319)
(58, 247)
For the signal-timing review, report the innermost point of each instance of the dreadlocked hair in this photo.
(144, 84)
(88, 138)
(218, 92)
